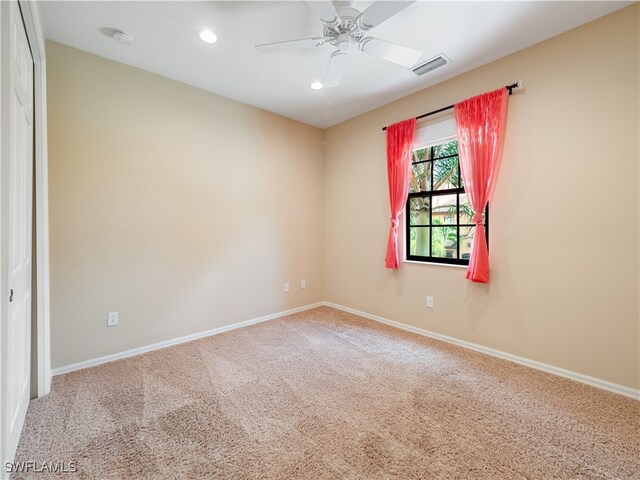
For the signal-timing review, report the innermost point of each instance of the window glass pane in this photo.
(444, 242)
(421, 155)
(445, 173)
(444, 210)
(466, 239)
(466, 212)
(446, 149)
(420, 177)
(419, 241)
(419, 211)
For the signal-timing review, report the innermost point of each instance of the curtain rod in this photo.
(508, 87)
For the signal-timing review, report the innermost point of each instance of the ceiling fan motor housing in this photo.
(346, 31)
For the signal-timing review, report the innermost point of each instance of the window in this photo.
(439, 226)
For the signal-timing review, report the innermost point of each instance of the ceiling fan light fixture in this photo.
(343, 42)
(316, 85)
(207, 36)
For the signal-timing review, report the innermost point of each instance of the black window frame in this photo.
(430, 194)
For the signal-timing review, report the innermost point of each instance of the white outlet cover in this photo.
(303, 284)
(429, 302)
(286, 287)
(112, 319)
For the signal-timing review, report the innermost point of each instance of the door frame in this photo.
(41, 368)
(36, 39)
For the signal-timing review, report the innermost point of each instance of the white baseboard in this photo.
(578, 377)
(175, 341)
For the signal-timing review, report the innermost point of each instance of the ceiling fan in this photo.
(346, 27)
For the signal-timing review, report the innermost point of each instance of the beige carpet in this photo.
(328, 395)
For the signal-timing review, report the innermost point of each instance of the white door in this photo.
(20, 230)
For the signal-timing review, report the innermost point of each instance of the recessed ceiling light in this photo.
(207, 36)
(316, 86)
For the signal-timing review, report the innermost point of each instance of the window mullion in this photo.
(433, 151)
(458, 223)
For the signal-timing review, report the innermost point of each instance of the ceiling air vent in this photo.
(431, 64)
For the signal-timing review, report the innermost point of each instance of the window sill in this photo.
(414, 262)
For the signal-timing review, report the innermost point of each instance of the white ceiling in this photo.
(469, 33)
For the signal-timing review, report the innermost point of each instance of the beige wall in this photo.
(564, 224)
(180, 209)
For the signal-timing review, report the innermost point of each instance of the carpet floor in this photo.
(324, 394)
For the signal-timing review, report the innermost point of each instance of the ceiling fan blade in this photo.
(325, 11)
(290, 45)
(405, 56)
(335, 68)
(379, 12)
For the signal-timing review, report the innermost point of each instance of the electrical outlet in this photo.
(429, 302)
(303, 284)
(286, 287)
(112, 319)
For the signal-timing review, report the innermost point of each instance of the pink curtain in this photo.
(480, 123)
(399, 149)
